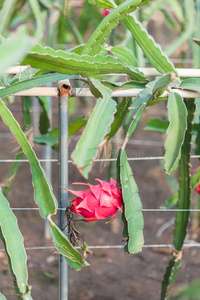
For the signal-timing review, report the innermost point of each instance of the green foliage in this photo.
(14, 49)
(46, 139)
(183, 202)
(132, 207)
(86, 23)
(191, 84)
(123, 85)
(170, 276)
(74, 64)
(102, 3)
(72, 256)
(149, 10)
(188, 27)
(12, 238)
(91, 60)
(190, 291)
(97, 39)
(75, 30)
(197, 41)
(2, 297)
(47, 3)
(135, 121)
(175, 132)
(7, 184)
(197, 141)
(182, 217)
(157, 125)
(151, 91)
(161, 84)
(26, 105)
(178, 9)
(125, 54)
(25, 74)
(6, 14)
(97, 127)
(17, 291)
(33, 82)
(51, 139)
(151, 50)
(122, 109)
(142, 98)
(44, 122)
(39, 17)
(172, 201)
(195, 179)
(43, 193)
(76, 124)
(170, 20)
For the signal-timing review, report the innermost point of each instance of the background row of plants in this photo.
(128, 45)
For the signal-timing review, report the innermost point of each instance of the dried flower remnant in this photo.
(98, 202)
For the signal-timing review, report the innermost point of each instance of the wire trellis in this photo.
(95, 160)
(144, 209)
(49, 92)
(196, 245)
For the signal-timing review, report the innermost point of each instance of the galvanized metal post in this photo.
(64, 87)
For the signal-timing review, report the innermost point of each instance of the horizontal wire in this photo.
(85, 92)
(26, 160)
(170, 209)
(189, 245)
(133, 92)
(144, 246)
(96, 160)
(144, 209)
(140, 158)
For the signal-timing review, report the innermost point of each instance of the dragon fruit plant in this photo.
(88, 63)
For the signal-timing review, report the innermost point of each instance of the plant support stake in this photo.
(85, 92)
(64, 87)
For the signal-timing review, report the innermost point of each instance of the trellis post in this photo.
(64, 87)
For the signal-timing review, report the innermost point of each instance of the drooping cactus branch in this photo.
(182, 217)
(184, 194)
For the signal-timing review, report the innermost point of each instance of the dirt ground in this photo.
(112, 274)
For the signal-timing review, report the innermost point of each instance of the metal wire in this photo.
(26, 160)
(144, 209)
(46, 91)
(168, 209)
(197, 245)
(96, 160)
(85, 92)
(144, 246)
(134, 92)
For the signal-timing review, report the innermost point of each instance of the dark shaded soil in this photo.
(112, 275)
